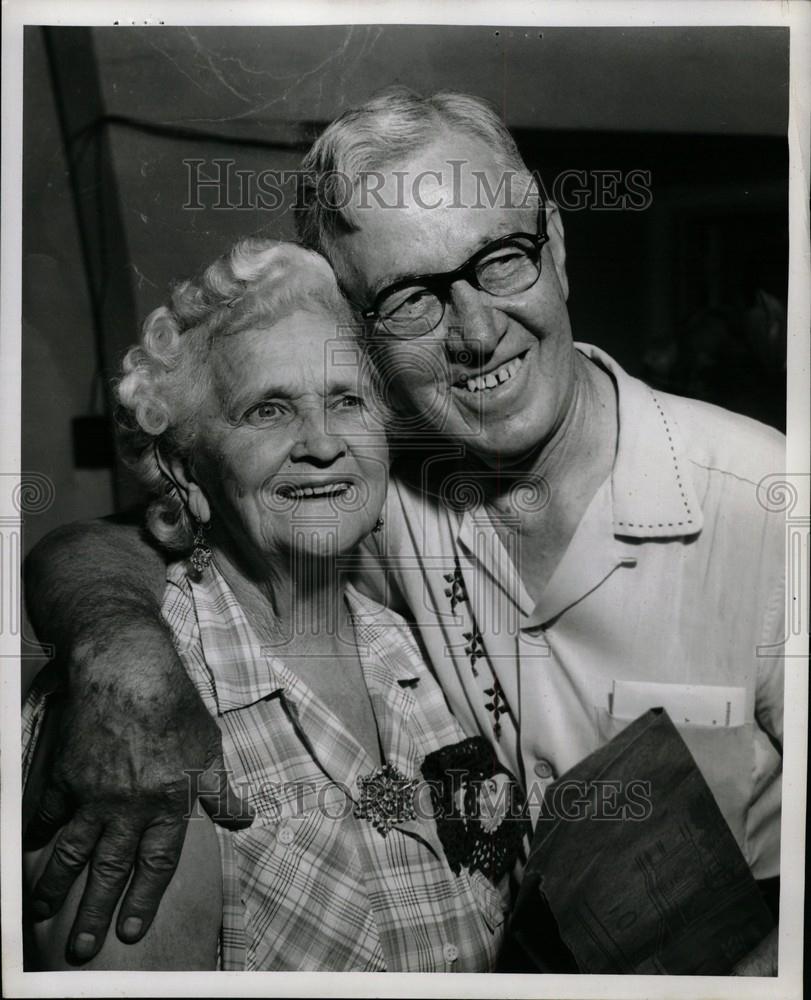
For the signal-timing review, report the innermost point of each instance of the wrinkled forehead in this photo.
(455, 168)
(306, 350)
(430, 213)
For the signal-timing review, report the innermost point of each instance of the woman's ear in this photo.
(177, 472)
(557, 244)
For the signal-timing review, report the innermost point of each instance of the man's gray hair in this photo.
(388, 129)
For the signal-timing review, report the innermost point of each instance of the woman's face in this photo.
(291, 452)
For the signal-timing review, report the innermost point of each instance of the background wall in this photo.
(690, 293)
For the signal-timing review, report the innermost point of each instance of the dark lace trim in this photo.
(460, 772)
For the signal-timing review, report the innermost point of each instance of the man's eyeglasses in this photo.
(412, 307)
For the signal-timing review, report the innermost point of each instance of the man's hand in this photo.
(133, 748)
(762, 960)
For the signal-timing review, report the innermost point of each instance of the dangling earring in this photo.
(378, 525)
(201, 552)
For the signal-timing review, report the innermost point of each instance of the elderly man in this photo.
(572, 546)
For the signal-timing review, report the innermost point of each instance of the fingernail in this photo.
(132, 927)
(84, 945)
(41, 909)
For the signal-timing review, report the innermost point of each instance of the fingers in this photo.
(52, 812)
(225, 804)
(109, 871)
(158, 856)
(70, 854)
(762, 960)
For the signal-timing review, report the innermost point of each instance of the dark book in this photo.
(633, 869)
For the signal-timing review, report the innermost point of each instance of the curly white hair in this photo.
(165, 378)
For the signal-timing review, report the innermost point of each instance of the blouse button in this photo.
(285, 835)
(450, 952)
(543, 769)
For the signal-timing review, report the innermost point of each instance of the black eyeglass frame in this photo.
(440, 283)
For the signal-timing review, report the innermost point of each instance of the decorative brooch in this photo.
(480, 811)
(386, 798)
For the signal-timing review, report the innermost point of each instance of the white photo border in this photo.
(585, 13)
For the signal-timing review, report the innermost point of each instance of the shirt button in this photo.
(450, 952)
(543, 769)
(285, 835)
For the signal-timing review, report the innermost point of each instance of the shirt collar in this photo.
(652, 488)
(243, 672)
(649, 494)
(378, 629)
(391, 667)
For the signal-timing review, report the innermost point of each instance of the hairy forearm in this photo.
(88, 582)
(132, 738)
(93, 591)
(762, 960)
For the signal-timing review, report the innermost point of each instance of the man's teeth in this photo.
(330, 489)
(489, 381)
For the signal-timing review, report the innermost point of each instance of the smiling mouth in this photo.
(493, 379)
(290, 491)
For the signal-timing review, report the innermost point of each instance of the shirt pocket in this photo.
(275, 801)
(724, 755)
(303, 822)
(270, 851)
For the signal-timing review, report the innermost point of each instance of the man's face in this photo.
(506, 420)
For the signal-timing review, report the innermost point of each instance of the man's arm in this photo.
(131, 732)
(77, 565)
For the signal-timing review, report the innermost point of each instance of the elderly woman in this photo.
(249, 414)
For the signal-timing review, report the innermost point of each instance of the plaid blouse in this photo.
(308, 886)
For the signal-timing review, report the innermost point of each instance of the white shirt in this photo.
(675, 575)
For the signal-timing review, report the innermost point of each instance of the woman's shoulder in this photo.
(177, 606)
